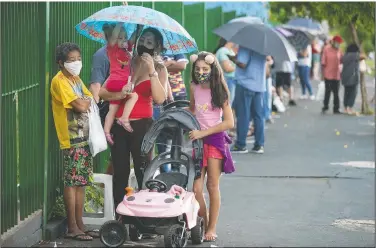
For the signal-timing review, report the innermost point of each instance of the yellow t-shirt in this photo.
(72, 127)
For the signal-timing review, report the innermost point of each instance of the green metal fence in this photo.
(215, 18)
(28, 60)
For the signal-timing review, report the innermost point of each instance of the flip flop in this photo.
(77, 237)
(93, 233)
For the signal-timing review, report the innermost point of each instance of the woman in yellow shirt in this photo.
(70, 103)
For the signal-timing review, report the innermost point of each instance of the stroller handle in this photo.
(178, 104)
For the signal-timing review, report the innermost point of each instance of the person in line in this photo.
(304, 67)
(209, 102)
(284, 71)
(175, 65)
(100, 71)
(222, 52)
(350, 76)
(316, 51)
(249, 98)
(70, 103)
(331, 63)
(118, 52)
(269, 90)
(150, 83)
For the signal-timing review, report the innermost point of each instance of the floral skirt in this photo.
(78, 166)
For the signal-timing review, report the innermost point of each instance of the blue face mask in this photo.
(202, 78)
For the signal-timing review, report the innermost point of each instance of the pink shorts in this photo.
(210, 152)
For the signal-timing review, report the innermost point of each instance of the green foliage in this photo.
(339, 15)
(94, 199)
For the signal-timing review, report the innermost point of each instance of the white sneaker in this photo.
(312, 97)
(302, 97)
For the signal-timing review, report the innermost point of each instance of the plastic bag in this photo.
(362, 66)
(97, 138)
(320, 91)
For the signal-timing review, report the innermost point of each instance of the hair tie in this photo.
(209, 59)
(193, 58)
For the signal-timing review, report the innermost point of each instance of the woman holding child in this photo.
(149, 79)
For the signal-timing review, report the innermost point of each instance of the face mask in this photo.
(143, 49)
(73, 68)
(335, 45)
(202, 78)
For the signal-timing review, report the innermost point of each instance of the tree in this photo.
(354, 19)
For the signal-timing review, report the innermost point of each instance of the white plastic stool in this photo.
(109, 211)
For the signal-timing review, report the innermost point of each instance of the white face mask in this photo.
(73, 68)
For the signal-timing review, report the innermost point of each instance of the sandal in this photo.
(125, 124)
(79, 237)
(109, 138)
(93, 233)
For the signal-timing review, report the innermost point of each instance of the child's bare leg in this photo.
(198, 189)
(128, 107)
(109, 121)
(212, 184)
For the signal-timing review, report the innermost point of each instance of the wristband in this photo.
(154, 74)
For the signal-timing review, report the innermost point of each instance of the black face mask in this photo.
(143, 49)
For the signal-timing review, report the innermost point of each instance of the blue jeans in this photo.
(231, 84)
(304, 75)
(268, 99)
(249, 105)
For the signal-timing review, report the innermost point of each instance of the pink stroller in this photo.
(166, 204)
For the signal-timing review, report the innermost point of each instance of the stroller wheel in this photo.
(113, 233)
(134, 234)
(197, 232)
(175, 236)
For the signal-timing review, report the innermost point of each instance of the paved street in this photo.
(300, 192)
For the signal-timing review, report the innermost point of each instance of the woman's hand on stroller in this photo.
(196, 134)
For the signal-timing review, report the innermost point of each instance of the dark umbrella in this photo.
(299, 39)
(252, 33)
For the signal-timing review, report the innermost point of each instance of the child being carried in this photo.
(119, 54)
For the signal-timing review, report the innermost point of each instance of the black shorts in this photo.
(283, 79)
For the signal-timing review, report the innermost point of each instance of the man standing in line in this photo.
(331, 62)
(249, 98)
(175, 66)
(100, 70)
(283, 79)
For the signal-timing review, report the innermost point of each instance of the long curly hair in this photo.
(218, 85)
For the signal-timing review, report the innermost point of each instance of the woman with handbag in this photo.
(350, 76)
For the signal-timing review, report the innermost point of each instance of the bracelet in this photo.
(154, 74)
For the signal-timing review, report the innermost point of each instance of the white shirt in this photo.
(284, 66)
(306, 61)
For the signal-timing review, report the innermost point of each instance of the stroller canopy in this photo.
(172, 118)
